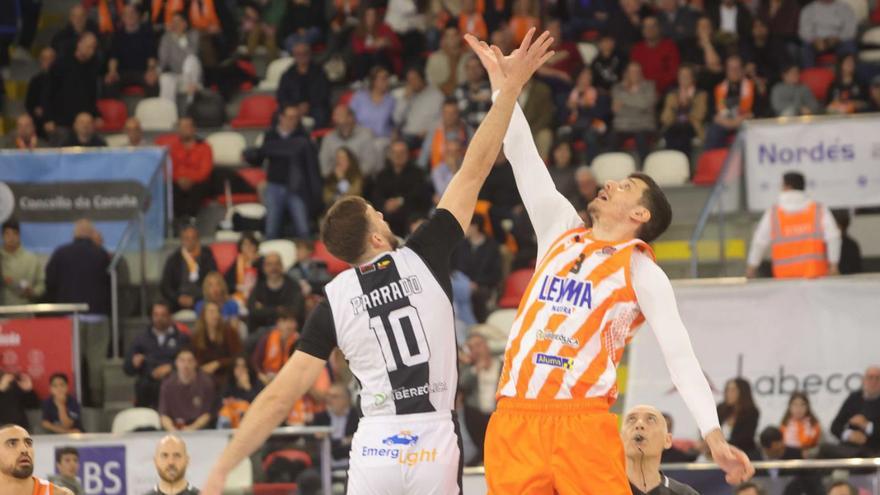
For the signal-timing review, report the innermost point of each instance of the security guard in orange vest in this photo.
(803, 237)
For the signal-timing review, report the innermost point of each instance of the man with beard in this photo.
(171, 461)
(17, 465)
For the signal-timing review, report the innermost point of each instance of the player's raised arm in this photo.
(550, 212)
(460, 198)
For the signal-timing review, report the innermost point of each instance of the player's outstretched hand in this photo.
(734, 462)
(215, 483)
(518, 67)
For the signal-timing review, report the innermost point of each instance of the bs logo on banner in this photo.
(102, 470)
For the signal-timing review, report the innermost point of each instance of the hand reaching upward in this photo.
(516, 69)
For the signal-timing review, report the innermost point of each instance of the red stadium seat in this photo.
(255, 112)
(514, 288)
(345, 98)
(254, 176)
(113, 113)
(274, 489)
(335, 265)
(818, 79)
(166, 139)
(133, 91)
(224, 254)
(709, 166)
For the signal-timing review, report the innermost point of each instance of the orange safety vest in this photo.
(746, 96)
(105, 18)
(205, 17)
(171, 8)
(798, 244)
(276, 354)
(234, 409)
(438, 144)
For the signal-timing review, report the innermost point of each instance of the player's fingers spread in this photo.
(527, 41)
(547, 56)
(499, 57)
(539, 43)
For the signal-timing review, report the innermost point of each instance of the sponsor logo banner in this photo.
(403, 448)
(556, 361)
(102, 470)
(38, 347)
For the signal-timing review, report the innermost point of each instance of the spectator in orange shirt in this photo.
(522, 20)
(800, 427)
(276, 346)
(471, 21)
(192, 163)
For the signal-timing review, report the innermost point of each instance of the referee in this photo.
(645, 437)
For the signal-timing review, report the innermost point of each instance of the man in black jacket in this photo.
(77, 272)
(16, 395)
(478, 257)
(36, 90)
(273, 291)
(343, 419)
(857, 425)
(293, 182)
(185, 270)
(400, 191)
(84, 132)
(305, 86)
(151, 355)
(73, 85)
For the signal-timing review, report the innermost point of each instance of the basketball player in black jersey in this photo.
(391, 316)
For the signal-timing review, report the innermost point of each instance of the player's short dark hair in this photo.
(184, 348)
(285, 313)
(749, 485)
(248, 236)
(847, 484)
(794, 180)
(345, 228)
(11, 224)
(60, 452)
(655, 201)
(62, 376)
(769, 436)
(160, 302)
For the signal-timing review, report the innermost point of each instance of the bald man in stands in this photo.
(171, 461)
(77, 272)
(17, 465)
(645, 436)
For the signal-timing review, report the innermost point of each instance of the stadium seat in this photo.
(709, 166)
(514, 288)
(241, 478)
(818, 79)
(588, 52)
(227, 236)
(285, 248)
(859, 8)
(668, 167)
(872, 36)
(227, 147)
(249, 210)
(116, 140)
(274, 489)
(113, 113)
(613, 166)
(276, 69)
(224, 254)
(255, 176)
(156, 114)
(135, 418)
(255, 112)
(166, 139)
(335, 265)
(502, 319)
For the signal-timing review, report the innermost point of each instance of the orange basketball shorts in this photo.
(564, 447)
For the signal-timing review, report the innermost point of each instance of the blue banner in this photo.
(47, 191)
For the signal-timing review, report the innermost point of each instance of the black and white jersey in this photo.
(392, 318)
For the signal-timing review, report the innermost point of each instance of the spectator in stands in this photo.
(522, 19)
(64, 41)
(186, 397)
(293, 182)
(850, 252)
(562, 166)
(450, 128)
(346, 179)
(305, 85)
(479, 258)
(657, 56)
(739, 415)
(732, 19)
(77, 272)
(310, 273)
(826, 26)
(25, 136)
(873, 94)
(560, 70)
(373, 106)
(774, 448)
(204, 20)
(678, 22)
(16, 395)
(477, 381)
(241, 389)
(784, 227)
(442, 174)
(608, 65)
(24, 281)
(678, 453)
(790, 97)
(781, 18)
(242, 275)
(705, 54)
(171, 461)
(734, 103)
(67, 467)
(133, 55)
(634, 103)
(417, 107)
(765, 54)
(540, 110)
(348, 134)
(445, 69)
(800, 428)
(857, 424)
(301, 23)
(275, 347)
(470, 21)
(215, 343)
(151, 355)
(215, 290)
(36, 89)
(374, 45)
(625, 23)
(400, 190)
(134, 132)
(846, 95)
(749, 488)
(474, 94)
(587, 190)
(192, 162)
(684, 112)
(61, 412)
(343, 418)
(274, 291)
(646, 436)
(259, 26)
(842, 487)
(84, 133)
(589, 111)
(185, 270)
(73, 85)
(179, 65)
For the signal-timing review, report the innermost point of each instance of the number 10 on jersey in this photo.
(399, 337)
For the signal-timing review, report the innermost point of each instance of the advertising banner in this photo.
(840, 159)
(816, 336)
(39, 347)
(47, 191)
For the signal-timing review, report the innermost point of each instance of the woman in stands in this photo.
(216, 344)
(346, 179)
(800, 427)
(846, 95)
(215, 290)
(245, 270)
(739, 416)
(241, 389)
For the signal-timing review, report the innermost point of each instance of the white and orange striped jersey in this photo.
(43, 487)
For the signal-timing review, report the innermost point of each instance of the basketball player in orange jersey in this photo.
(552, 432)
(17, 465)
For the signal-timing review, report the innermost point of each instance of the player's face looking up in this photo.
(644, 432)
(620, 201)
(16, 452)
(380, 235)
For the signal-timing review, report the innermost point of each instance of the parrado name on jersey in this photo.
(386, 294)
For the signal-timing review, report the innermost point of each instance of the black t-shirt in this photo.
(434, 242)
(667, 486)
(190, 490)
